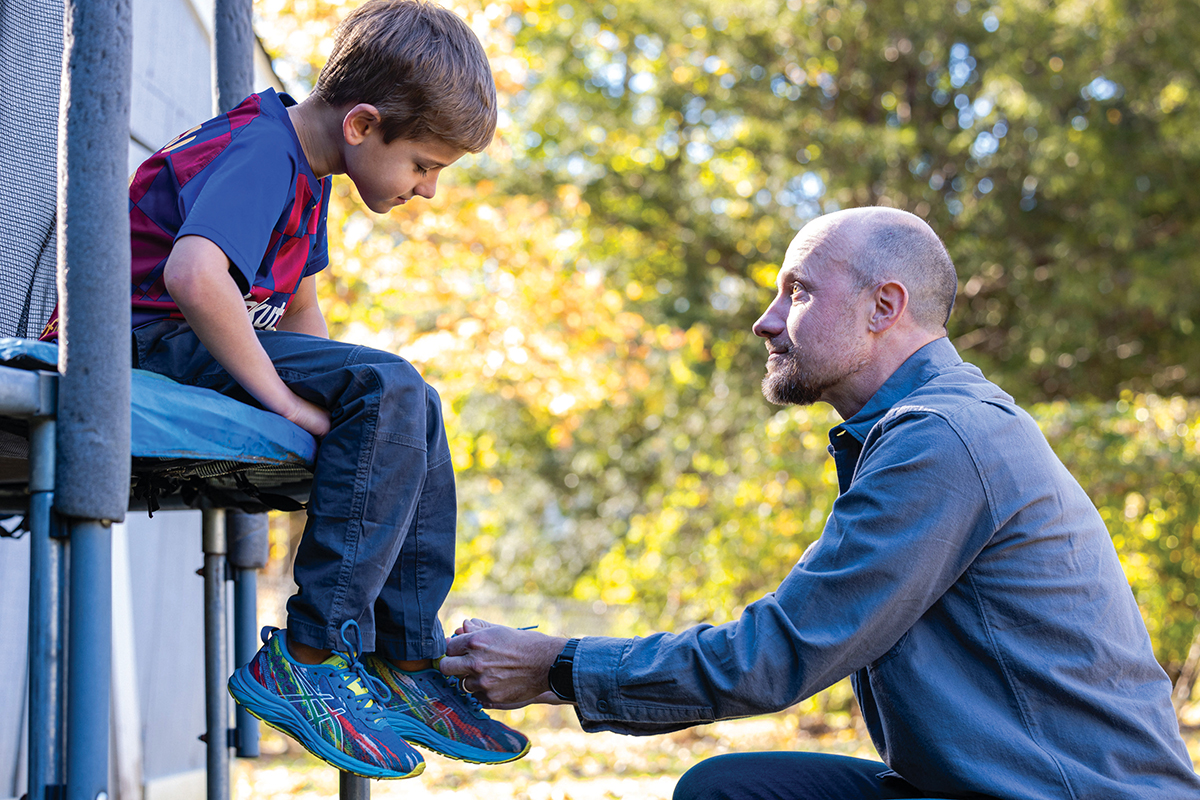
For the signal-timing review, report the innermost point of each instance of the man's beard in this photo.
(789, 385)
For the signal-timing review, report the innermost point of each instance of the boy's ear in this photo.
(359, 122)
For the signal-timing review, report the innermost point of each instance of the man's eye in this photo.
(797, 289)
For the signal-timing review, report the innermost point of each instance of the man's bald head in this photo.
(879, 244)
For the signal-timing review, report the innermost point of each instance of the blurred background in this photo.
(581, 295)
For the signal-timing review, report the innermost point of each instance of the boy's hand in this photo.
(198, 280)
(309, 416)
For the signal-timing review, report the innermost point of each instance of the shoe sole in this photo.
(282, 717)
(414, 732)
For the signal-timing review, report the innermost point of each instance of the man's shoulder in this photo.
(953, 393)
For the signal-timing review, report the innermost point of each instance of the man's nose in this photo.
(773, 321)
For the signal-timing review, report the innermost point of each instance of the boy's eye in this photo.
(422, 170)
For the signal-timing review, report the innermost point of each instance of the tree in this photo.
(582, 294)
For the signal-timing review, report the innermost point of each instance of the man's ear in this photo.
(359, 122)
(890, 299)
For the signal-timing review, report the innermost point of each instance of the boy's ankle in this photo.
(411, 666)
(304, 654)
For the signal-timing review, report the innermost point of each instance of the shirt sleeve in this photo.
(318, 254)
(911, 522)
(237, 200)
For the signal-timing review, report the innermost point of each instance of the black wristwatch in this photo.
(562, 681)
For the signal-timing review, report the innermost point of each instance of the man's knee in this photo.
(705, 781)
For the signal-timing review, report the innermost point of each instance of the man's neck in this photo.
(319, 128)
(849, 397)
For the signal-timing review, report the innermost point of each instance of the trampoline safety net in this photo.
(31, 45)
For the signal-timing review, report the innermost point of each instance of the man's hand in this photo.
(503, 667)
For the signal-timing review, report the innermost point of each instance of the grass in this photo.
(564, 763)
(567, 764)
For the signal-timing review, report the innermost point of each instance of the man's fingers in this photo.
(455, 665)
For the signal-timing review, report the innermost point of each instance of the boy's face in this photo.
(388, 175)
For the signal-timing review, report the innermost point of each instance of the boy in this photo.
(228, 232)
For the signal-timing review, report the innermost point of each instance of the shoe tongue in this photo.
(339, 662)
(336, 660)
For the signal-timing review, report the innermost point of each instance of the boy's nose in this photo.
(427, 188)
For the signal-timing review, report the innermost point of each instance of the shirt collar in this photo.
(918, 369)
(276, 104)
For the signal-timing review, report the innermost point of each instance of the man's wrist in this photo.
(562, 672)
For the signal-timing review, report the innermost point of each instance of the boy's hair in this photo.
(420, 65)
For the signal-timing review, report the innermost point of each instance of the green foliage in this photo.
(1050, 144)
(582, 294)
(1137, 458)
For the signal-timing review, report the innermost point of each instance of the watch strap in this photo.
(562, 678)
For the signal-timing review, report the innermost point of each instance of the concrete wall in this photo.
(158, 676)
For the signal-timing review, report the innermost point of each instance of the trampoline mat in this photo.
(184, 441)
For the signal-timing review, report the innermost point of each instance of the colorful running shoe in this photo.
(335, 709)
(432, 710)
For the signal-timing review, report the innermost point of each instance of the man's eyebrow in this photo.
(791, 275)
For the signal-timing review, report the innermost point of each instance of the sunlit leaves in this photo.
(581, 294)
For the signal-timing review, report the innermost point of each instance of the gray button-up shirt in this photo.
(967, 583)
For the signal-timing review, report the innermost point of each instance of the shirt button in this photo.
(602, 705)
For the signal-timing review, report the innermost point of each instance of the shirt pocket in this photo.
(892, 653)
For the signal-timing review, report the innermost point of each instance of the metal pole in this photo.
(90, 664)
(245, 641)
(216, 654)
(233, 81)
(233, 53)
(45, 633)
(353, 787)
(249, 549)
(91, 487)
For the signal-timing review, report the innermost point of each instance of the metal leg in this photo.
(245, 645)
(249, 547)
(216, 656)
(353, 787)
(45, 618)
(90, 666)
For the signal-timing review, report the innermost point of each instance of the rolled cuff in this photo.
(601, 705)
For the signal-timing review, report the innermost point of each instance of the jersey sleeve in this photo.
(318, 255)
(236, 201)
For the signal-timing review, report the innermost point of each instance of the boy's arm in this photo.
(303, 314)
(197, 277)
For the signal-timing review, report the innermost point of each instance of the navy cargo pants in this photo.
(378, 547)
(796, 776)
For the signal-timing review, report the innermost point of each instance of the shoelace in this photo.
(456, 685)
(356, 670)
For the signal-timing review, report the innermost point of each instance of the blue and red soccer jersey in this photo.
(242, 181)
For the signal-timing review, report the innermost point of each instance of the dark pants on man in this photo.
(795, 776)
(378, 546)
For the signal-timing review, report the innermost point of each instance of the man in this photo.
(963, 579)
